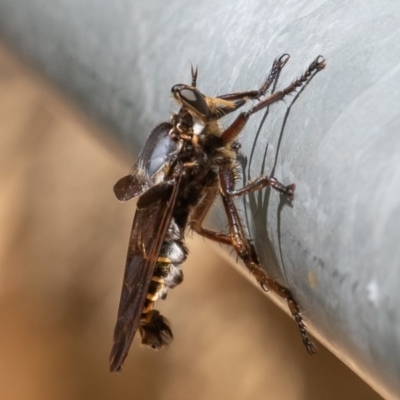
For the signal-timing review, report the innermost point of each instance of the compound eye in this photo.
(192, 99)
(188, 95)
(195, 100)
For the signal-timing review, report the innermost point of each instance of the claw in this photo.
(290, 191)
(311, 347)
(320, 63)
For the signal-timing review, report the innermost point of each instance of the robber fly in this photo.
(185, 164)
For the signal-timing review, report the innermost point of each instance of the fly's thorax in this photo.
(198, 127)
(219, 153)
(182, 123)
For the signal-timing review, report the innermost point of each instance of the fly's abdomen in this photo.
(154, 328)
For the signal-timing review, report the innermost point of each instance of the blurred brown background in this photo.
(62, 252)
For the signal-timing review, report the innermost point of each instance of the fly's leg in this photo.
(247, 252)
(277, 66)
(317, 65)
(200, 212)
(227, 103)
(237, 238)
(262, 182)
(238, 124)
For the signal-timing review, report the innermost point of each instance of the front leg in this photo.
(277, 66)
(231, 133)
(200, 212)
(227, 103)
(247, 252)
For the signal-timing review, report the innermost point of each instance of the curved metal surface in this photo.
(337, 245)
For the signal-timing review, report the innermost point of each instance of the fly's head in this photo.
(203, 109)
(192, 100)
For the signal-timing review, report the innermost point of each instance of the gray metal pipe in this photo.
(337, 246)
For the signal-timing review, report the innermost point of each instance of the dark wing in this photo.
(129, 186)
(148, 232)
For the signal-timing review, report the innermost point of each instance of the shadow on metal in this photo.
(258, 202)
